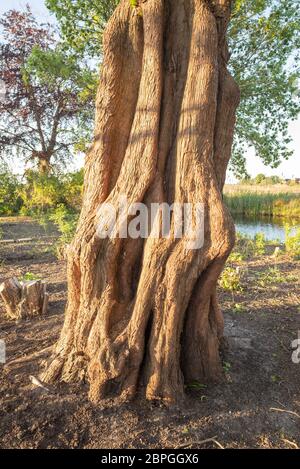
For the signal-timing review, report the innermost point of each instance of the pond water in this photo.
(272, 228)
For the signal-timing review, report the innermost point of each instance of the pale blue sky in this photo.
(287, 169)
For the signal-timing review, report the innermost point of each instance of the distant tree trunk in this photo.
(44, 165)
(42, 158)
(145, 312)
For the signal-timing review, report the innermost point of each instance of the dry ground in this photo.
(259, 375)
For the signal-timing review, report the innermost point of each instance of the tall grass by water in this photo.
(255, 202)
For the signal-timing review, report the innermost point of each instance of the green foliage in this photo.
(82, 22)
(49, 66)
(230, 279)
(272, 276)
(292, 241)
(73, 189)
(236, 256)
(247, 247)
(226, 367)
(10, 202)
(238, 308)
(48, 111)
(260, 244)
(66, 220)
(276, 379)
(29, 276)
(196, 386)
(262, 179)
(41, 194)
(264, 38)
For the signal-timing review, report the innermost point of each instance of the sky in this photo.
(288, 169)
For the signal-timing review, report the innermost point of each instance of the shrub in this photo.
(231, 279)
(41, 193)
(10, 200)
(292, 241)
(260, 244)
(73, 189)
(66, 221)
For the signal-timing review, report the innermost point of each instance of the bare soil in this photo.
(256, 406)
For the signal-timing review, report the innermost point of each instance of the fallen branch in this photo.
(31, 356)
(275, 409)
(291, 443)
(26, 240)
(36, 382)
(202, 442)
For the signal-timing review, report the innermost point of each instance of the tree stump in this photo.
(24, 300)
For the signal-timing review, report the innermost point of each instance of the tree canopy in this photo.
(48, 106)
(264, 39)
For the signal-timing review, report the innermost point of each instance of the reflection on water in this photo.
(272, 228)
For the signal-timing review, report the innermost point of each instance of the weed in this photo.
(196, 385)
(226, 367)
(231, 279)
(29, 276)
(292, 241)
(273, 275)
(238, 308)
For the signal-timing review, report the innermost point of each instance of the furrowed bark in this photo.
(145, 312)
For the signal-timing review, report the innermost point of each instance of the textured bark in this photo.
(145, 312)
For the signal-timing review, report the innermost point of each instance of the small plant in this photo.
(273, 275)
(292, 241)
(236, 257)
(66, 221)
(226, 367)
(275, 379)
(231, 279)
(195, 385)
(29, 276)
(238, 308)
(260, 244)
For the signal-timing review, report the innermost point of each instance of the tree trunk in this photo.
(44, 165)
(43, 161)
(145, 312)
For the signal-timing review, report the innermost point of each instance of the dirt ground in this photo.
(256, 406)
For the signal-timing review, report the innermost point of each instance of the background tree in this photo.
(48, 107)
(145, 311)
(264, 36)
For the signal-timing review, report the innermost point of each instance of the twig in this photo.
(202, 442)
(290, 443)
(286, 411)
(36, 382)
(31, 356)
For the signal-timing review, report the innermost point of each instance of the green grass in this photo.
(254, 204)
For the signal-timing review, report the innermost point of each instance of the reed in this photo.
(255, 204)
